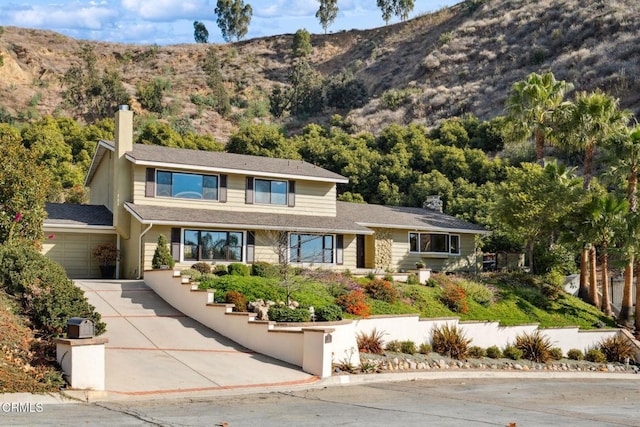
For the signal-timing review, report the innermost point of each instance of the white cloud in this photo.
(67, 16)
(169, 10)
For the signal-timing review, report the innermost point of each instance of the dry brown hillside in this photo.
(451, 62)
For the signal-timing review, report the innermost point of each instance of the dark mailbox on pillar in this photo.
(80, 327)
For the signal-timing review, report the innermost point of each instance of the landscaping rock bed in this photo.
(391, 362)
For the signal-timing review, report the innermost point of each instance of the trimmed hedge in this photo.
(282, 313)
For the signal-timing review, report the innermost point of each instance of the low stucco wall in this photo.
(315, 346)
(289, 345)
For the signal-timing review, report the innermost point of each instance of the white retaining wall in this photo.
(315, 346)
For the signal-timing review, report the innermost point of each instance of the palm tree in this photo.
(594, 118)
(625, 153)
(607, 218)
(531, 105)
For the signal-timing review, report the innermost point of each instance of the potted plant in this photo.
(419, 265)
(107, 255)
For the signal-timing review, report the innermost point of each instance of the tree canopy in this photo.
(233, 18)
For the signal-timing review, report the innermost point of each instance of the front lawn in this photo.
(508, 299)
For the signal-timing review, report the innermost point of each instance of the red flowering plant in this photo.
(354, 303)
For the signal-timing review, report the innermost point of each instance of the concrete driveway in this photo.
(154, 349)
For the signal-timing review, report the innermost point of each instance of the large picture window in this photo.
(434, 243)
(311, 248)
(205, 245)
(270, 192)
(186, 185)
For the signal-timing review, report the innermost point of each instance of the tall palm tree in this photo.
(531, 105)
(625, 152)
(607, 217)
(592, 119)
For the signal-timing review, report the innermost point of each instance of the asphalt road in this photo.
(468, 402)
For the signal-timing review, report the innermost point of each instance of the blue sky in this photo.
(166, 22)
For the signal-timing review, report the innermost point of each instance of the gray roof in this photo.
(66, 214)
(243, 220)
(240, 163)
(404, 217)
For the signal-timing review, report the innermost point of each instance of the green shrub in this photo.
(202, 267)
(477, 352)
(425, 348)
(162, 255)
(595, 355)
(282, 313)
(494, 352)
(408, 347)
(264, 269)
(195, 275)
(236, 298)
(45, 292)
(220, 270)
(555, 353)
(450, 341)
(477, 292)
(372, 342)
(512, 352)
(535, 347)
(575, 354)
(412, 279)
(617, 349)
(381, 290)
(329, 313)
(238, 269)
(393, 345)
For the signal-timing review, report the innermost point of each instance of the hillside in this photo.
(452, 62)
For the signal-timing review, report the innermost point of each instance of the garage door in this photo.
(73, 252)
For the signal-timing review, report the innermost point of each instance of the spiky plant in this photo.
(535, 347)
(450, 341)
(617, 349)
(372, 342)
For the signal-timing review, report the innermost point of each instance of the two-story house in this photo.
(220, 207)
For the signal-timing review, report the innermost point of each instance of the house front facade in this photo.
(219, 207)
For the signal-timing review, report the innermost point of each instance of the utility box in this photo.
(80, 327)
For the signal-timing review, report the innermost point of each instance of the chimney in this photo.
(121, 173)
(433, 203)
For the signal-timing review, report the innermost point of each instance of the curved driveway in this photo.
(154, 349)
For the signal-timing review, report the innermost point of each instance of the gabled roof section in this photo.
(187, 217)
(66, 214)
(419, 219)
(221, 162)
(101, 150)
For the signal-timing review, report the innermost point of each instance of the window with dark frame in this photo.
(311, 248)
(187, 185)
(212, 245)
(434, 243)
(270, 192)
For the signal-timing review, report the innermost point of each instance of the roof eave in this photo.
(424, 228)
(135, 161)
(96, 159)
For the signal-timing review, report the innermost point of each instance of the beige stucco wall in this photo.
(101, 192)
(312, 198)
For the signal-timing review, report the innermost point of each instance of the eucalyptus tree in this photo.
(327, 13)
(200, 32)
(233, 18)
(531, 106)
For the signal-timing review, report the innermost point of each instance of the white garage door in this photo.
(73, 251)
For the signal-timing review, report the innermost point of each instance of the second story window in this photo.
(270, 192)
(187, 185)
